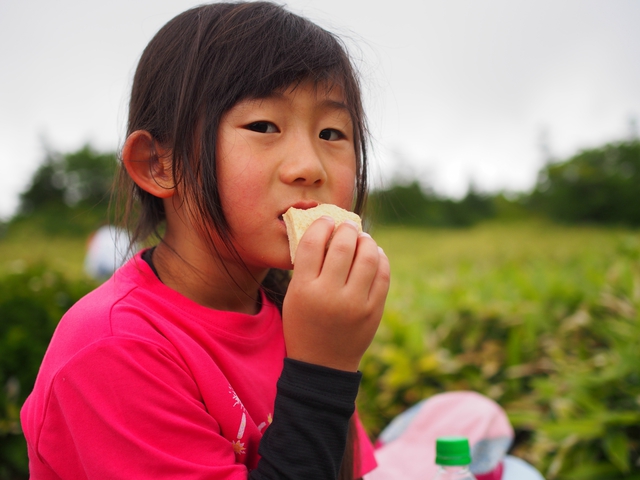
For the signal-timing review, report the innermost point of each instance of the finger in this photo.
(340, 253)
(312, 247)
(365, 264)
(382, 279)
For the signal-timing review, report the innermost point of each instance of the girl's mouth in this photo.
(302, 205)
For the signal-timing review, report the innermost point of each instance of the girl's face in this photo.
(293, 148)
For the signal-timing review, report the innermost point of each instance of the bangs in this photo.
(209, 58)
(269, 49)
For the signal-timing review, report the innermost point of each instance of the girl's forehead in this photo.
(320, 95)
(319, 91)
(321, 88)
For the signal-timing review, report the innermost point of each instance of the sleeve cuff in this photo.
(319, 385)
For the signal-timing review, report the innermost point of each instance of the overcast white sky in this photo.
(457, 90)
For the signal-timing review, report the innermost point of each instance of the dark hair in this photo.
(196, 68)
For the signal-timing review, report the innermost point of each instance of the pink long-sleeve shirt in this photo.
(141, 382)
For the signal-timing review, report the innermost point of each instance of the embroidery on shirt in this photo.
(264, 424)
(236, 399)
(238, 445)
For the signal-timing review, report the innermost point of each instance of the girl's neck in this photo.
(201, 277)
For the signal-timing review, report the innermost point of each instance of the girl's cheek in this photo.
(345, 188)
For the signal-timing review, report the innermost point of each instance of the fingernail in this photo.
(353, 224)
(381, 251)
(327, 217)
(364, 234)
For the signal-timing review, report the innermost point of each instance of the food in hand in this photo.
(297, 221)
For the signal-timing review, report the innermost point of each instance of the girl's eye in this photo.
(262, 127)
(331, 135)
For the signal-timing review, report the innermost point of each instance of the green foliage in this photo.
(411, 205)
(32, 301)
(59, 220)
(25, 244)
(68, 194)
(74, 178)
(543, 319)
(45, 189)
(600, 185)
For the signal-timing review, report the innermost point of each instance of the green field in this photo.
(544, 319)
(29, 246)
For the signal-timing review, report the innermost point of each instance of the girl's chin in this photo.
(281, 262)
(284, 264)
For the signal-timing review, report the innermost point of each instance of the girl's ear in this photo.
(148, 164)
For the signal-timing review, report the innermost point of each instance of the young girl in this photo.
(198, 358)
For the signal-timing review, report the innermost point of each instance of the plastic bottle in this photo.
(453, 458)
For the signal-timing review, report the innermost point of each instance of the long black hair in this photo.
(196, 68)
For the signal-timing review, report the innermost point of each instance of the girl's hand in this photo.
(335, 301)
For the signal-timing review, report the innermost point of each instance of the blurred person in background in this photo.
(107, 249)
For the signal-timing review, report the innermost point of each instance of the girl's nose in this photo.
(303, 165)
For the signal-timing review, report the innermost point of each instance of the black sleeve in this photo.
(308, 435)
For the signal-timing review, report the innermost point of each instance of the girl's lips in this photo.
(302, 205)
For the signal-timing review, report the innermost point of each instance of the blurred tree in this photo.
(45, 189)
(88, 176)
(600, 185)
(476, 206)
(69, 193)
(82, 177)
(399, 204)
(410, 204)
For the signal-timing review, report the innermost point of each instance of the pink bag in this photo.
(406, 448)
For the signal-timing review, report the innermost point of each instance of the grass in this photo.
(27, 246)
(540, 317)
(436, 257)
